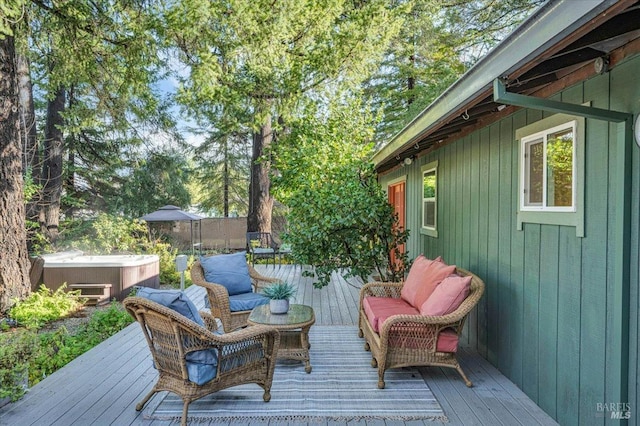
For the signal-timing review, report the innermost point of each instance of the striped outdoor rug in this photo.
(341, 387)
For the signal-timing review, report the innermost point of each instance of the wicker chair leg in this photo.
(360, 333)
(380, 378)
(185, 412)
(267, 396)
(141, 404)
(464, 376)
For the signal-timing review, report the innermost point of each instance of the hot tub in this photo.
(112, 274)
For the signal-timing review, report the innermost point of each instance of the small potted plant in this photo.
(279, 294)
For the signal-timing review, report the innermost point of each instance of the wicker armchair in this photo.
(219, 297)
(410, 340)
(245, 356)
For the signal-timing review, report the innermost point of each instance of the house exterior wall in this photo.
(546, 320)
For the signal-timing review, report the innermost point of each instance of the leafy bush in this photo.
(46, 305)
(167, 255)
(339, 216)
(105, 234)
(16, 349)
(58, 348)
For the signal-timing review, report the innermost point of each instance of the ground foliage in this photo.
(45, 305)
(58, 348)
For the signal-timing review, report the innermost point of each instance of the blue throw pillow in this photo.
(174, 299)
(229, 270)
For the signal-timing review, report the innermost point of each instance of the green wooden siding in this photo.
(547, 318)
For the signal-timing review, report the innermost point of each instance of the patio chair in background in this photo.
(260, 245)
(231, 305)
(192, 361)
(285, 252)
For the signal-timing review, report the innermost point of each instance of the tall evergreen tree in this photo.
(263, 57)
(14, 262)
(95, 63)
(223, 172)
(439, 41)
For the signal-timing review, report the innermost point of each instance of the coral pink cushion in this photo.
(378, 309)
(436, 272)
(447, 296)
(447, 341)
(415, 278)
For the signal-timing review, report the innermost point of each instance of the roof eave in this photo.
(550, 23)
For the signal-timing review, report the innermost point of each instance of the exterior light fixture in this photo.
(601, 65)
(407, 161)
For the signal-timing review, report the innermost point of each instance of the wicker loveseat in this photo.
(411, 338)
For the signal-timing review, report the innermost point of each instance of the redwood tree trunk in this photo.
(52, 167)
(28, 117)
(31, 156)
(260, 199)
(14, 261)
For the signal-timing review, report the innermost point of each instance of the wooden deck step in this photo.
(95, 293)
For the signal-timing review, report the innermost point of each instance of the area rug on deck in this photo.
(341, 387)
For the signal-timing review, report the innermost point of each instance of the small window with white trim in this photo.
(551, 169)
(548, 167)
(429, 198)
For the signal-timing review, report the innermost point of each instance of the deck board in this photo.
(91, 391)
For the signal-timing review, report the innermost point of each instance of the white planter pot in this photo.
(279, 306)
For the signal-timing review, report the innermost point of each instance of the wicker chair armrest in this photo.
(441, 322)
(258, 280)
(209, 320)
(242, 334)
(269, 339)
(216, 292)
(381, 289)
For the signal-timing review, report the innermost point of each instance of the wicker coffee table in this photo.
(294, 329)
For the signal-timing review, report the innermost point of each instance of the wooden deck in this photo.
(102, 386)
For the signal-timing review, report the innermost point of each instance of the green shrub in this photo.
(58, 348)
(167, 255)
(105, 234)
(16, 349)
(46, 305)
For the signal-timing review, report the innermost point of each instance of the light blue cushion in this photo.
(174, 299)
(246, 301)
(229, 270)
(201, 365)
(241, 302)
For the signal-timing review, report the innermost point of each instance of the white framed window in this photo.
(430, 199)
(551, 172)
(548, 166)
